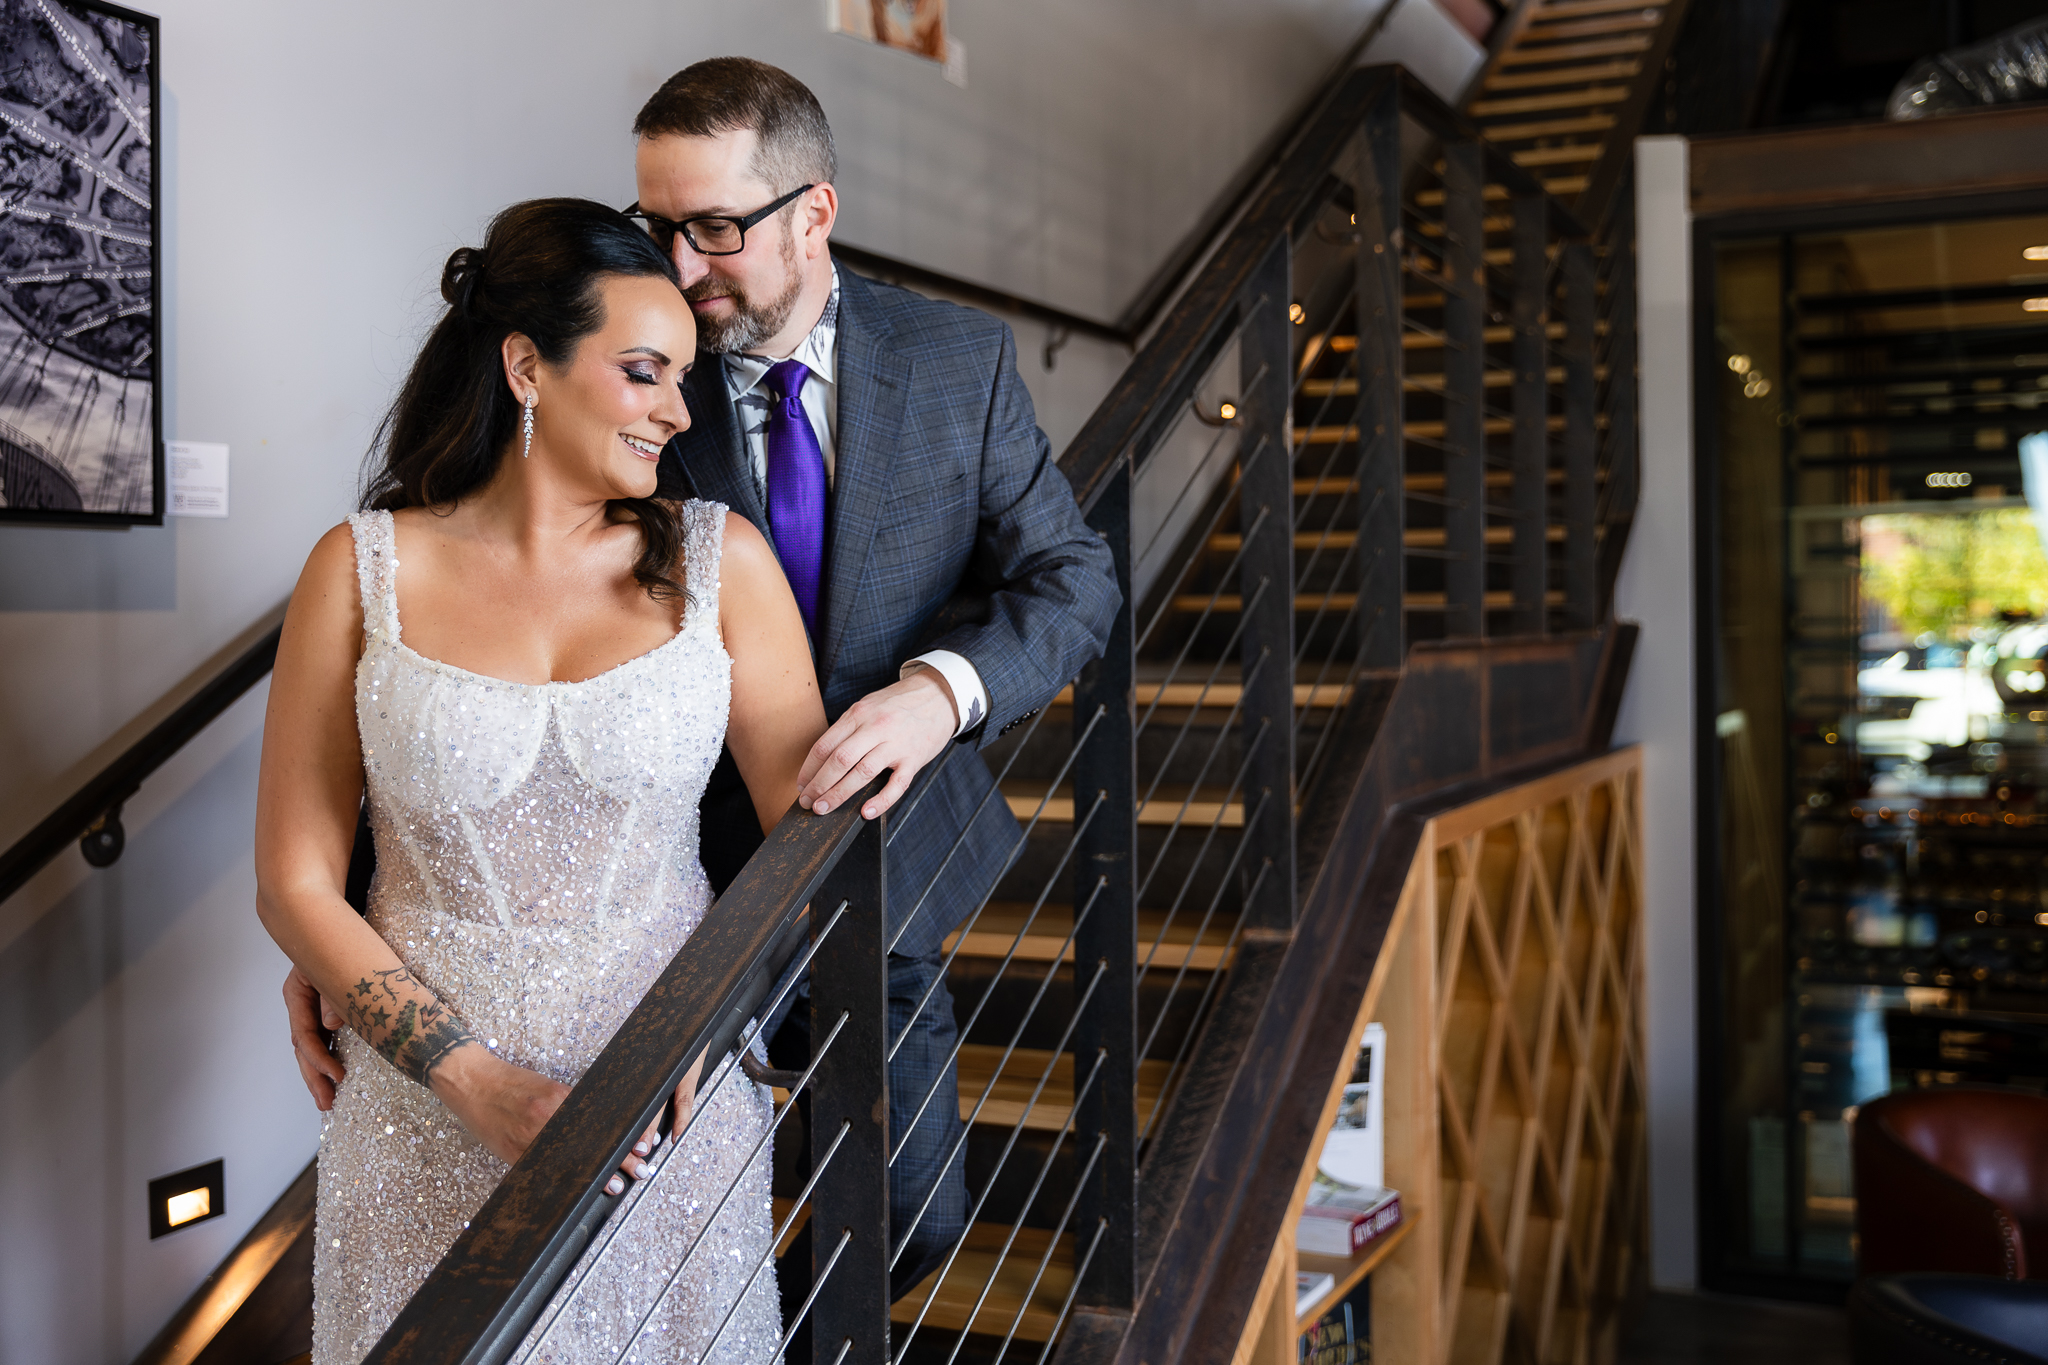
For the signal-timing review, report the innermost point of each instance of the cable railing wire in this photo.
(818, 1056)
(988, 1091)
(1051, 972)
(1016, 1132)
(674, 1141)
(1017, 846)
(1081, 1091)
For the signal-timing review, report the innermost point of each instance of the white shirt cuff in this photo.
(970, 699)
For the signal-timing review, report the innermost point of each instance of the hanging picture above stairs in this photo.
(80, 434)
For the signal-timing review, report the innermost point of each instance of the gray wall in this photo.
(319, 164)
(1655, 588)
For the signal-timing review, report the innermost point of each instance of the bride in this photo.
(529, 664)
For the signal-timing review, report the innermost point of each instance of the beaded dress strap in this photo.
(703, 552)
(377, 573)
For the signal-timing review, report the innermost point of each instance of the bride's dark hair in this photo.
(537, 274)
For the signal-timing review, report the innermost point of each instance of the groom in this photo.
(886, 446)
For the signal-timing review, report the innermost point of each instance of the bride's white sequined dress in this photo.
(536, 869)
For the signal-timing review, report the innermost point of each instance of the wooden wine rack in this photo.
(1511, 991)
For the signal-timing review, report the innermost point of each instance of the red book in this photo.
(1343, 1220)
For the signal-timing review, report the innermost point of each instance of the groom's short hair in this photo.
(726, 94)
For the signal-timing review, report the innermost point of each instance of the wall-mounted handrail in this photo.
(92, 814)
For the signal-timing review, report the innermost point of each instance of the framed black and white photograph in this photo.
(80, 422)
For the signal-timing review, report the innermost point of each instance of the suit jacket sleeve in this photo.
(1049, 581)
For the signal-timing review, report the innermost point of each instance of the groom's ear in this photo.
(815, 215)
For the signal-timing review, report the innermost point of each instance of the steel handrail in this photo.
(92, 814)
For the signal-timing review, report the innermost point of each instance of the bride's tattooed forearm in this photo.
(414, 1039)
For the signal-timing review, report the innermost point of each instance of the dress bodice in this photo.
(556, 822)
(537, 869)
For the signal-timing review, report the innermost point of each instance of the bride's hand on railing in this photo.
(686, 1098)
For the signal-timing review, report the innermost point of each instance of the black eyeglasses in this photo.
(715, 235)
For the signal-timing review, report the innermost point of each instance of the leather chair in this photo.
(1948, 1320)
(1953, 1180)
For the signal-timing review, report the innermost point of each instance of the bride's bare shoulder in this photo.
(327, 601)
(745, 551)
(333, 558)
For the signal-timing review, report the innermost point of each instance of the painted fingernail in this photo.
(641, 1146)
(615, 1186)
(642, 1170)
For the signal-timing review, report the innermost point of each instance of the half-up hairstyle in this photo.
(538, 274)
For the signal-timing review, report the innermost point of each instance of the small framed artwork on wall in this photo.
(909, 25)
(81, 437)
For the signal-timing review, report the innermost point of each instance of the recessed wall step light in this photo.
(2036, 253)
(190, 1196)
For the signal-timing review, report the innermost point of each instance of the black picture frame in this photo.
(77, 351)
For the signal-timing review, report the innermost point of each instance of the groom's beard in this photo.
(751, 323)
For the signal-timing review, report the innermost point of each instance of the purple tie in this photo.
(796, 487)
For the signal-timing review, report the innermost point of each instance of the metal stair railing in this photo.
(1112, 806)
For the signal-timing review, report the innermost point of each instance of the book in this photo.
(1342, 1219)
(1309, 1288)
(1355, 1150)
(1343, 1334)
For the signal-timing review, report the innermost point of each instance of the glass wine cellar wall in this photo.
(1876, 623)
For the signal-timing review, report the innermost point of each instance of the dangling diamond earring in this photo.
(527, 450)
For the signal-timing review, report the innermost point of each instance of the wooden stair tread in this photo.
(1427, 383)
(1496, 224)
(1432, 431)
(1344, 601)
(1220, 696)
(1557, 127)
(1547, 29)
(1578, 9)
(1571, 153)
(1570, 75)
(1207, 806)
(1414, 537)
(1341, 343)
(1560, 187)
(1482, 110)
(981, 1257)
(1330, 486)
(1020, 1076)
(1562, 52)
(998, 928)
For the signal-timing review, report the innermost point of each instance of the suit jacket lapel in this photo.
(874, 385)
(712, 454)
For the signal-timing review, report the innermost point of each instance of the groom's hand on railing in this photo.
(901, 728)
(314, 1023)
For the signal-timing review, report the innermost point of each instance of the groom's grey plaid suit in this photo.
(949, 527)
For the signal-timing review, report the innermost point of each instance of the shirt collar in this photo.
(819, 351)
